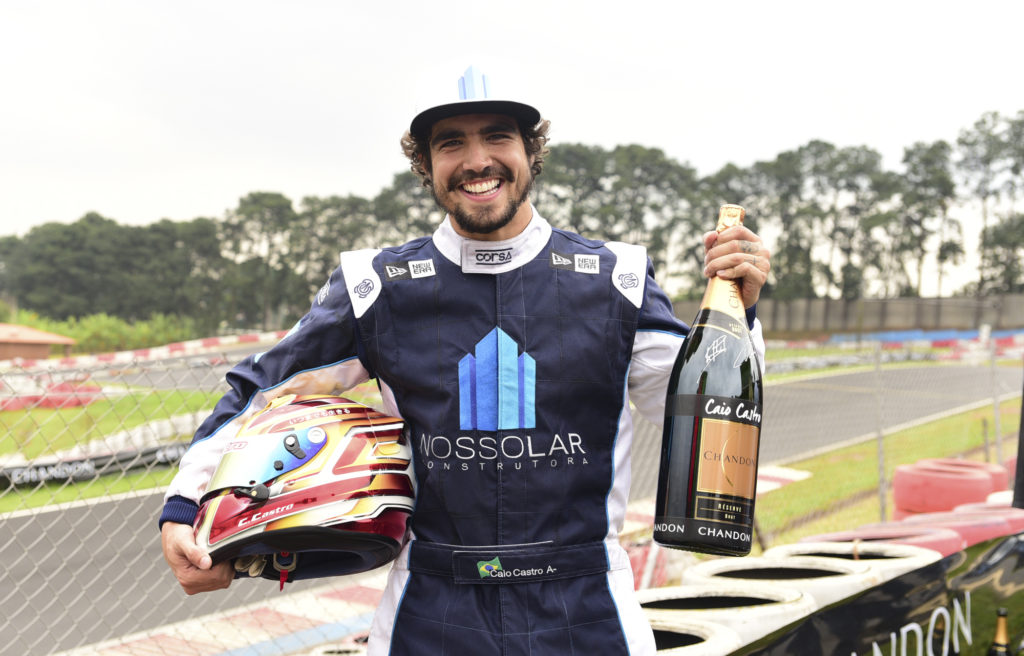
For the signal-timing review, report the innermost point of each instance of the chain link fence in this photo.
(85, 453)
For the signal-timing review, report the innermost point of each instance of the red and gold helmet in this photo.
(316, 474)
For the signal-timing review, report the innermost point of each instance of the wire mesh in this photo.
(86, 452)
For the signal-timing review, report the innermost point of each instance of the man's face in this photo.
(480, 174)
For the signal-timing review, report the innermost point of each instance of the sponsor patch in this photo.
(409, 270)
(577, 262)
(491, 257)
(324, 291)
(363, 289)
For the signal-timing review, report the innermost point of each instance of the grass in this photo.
(844, 482)
(44, 431)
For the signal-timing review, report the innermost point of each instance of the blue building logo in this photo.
(497, 385)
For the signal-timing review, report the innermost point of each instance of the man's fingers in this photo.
(190, 564)
(194, 580)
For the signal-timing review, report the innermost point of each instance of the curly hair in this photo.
(535, 140)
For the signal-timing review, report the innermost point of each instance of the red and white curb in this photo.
(772, 477)
(288, 623)
(175, 350)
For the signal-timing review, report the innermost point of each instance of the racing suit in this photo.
(513, 364)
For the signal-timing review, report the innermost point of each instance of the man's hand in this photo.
(191, 565)
(738, 254)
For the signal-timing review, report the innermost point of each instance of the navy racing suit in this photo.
(513, 364)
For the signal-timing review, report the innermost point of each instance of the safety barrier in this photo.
(826, 580)
(688, 638)
(888, 559)
(946, 541)
(750, 611)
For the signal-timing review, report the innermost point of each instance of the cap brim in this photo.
(522, 112)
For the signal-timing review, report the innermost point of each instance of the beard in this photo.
(484, 221)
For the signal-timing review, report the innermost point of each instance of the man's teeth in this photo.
(482, 186)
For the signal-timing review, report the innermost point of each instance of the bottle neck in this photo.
(1002, 637)
(724, 296)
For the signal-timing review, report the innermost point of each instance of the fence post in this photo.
(996, 424)
(881, 437)
(1018, 482)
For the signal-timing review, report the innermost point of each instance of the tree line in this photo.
(843, 226)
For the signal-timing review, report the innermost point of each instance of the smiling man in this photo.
(512, 351)
(481, 175)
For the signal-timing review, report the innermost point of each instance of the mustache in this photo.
(497, 171)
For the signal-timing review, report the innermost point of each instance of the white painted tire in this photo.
(889, 560)
(1002, 498)
(691, 638)
(826, 580)
(751, 611)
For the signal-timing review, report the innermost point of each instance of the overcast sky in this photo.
(150, 110)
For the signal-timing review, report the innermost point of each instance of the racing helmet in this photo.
(475, 95)
(318, 485)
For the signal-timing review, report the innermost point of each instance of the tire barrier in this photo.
(932, 488)
(888, 559)
(1001, 498)
(998, 473)
(689, 638)
(944, 540)
(973, 527)
(826, 580)
(74, 470)
(1013, 516)
(752, 612)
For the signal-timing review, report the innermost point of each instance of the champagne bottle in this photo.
(1001, 640)
(708, 470)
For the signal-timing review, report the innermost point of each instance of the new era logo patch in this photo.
(576, 262)
(409, 270)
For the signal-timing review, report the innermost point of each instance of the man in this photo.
(512, 351)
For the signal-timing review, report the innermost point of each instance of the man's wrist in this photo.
(179, 510)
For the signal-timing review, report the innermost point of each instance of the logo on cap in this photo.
(473, 85)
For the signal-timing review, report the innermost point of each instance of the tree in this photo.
(257, 234)
(779, 198)
(981, 162)
(405, 210)
(632, 193)
(571, 188)
(927, 192)
(1003, 264)
(729, 185)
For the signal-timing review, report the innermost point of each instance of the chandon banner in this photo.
(84, 469)
(948, 607)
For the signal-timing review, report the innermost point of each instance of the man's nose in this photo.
(478, 156)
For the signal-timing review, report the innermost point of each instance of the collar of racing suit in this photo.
(493, 256)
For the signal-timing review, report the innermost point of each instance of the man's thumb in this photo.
(198, 557)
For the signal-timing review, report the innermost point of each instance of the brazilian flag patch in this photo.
(488, 567)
